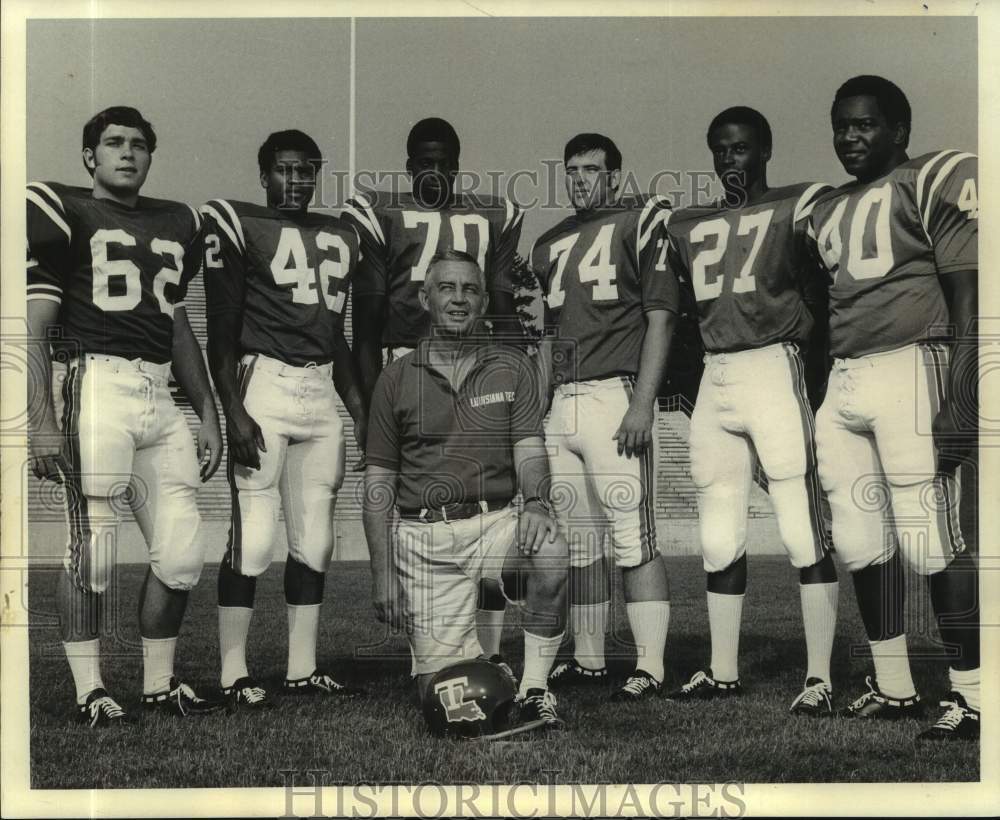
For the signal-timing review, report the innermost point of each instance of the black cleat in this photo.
(704, 687)
(100, 709)
(246, 694)
(814, 700)
(180, 700)
(959, 721)
(570, 673)
(320, 683)
(639, 686)
(873, 705)
(540, 704)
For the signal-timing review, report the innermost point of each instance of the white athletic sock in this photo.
(966, 683)
(588, 624)
(234, 626)
(649, 621)
(303, 630)
(85, 663)
(725, 614)
(157, 664)
(819, 618)
(892, 667)
(489, 627)
(539, 653)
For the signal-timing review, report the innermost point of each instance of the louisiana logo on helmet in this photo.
(473, 698)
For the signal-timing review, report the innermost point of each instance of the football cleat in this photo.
(100, 709)
(704, 687)
(875, 705)
(320, 683)
(959, 721)
(540, 705)
(246, 693)
(814, 700)
(499, 661)
(180, 700)
(639, 686)
(570, 673)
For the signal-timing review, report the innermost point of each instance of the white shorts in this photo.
(439, 566)
(126, 443)
(300, 473)
(878, 460)
(595, 490)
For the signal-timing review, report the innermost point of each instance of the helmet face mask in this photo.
(470, 699)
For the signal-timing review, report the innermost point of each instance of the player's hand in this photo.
(953, 439)
(209, 446)
(635, 433)
(534, 527)
(361, 434)
(246, 441)
(387, 599)
(46, 456)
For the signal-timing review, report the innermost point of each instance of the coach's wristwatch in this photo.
(541, 502)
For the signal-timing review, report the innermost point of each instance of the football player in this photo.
(745, 259)
(110, 269)
(277, 277)
(900, 410)
(400, 233)
(613, 310)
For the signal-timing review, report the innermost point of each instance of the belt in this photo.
(451, 512)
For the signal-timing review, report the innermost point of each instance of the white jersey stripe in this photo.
(661, 217)
(946, 169)
(806, 202)
(922, 178)
(518, 216)
(366, 207)
(362, 219)
(43, 297)
(236, 225)
(51, 213)
(197, 218)
(208, 210)
(45, 189)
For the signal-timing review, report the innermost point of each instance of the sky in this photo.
(515, 89)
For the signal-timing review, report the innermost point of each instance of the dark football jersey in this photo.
(599, 272)
(884, 244)
(747, 268)
(287, 274)
(399, 237)
(116, 271)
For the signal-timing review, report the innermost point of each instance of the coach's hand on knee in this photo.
(634, 434)
(246, 441)
(535, 526)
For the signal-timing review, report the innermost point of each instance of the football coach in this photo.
(455, 432)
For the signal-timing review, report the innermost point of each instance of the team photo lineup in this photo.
(506, 458)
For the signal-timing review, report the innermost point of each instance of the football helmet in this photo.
(473, 698)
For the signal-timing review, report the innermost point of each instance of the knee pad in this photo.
(178, 564)
(926, 517)
(722, 544)
(253, 531)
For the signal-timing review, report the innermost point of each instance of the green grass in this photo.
(382, 738)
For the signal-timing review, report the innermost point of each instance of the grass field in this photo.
(382, 738)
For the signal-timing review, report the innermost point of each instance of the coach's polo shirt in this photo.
(453, 446)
